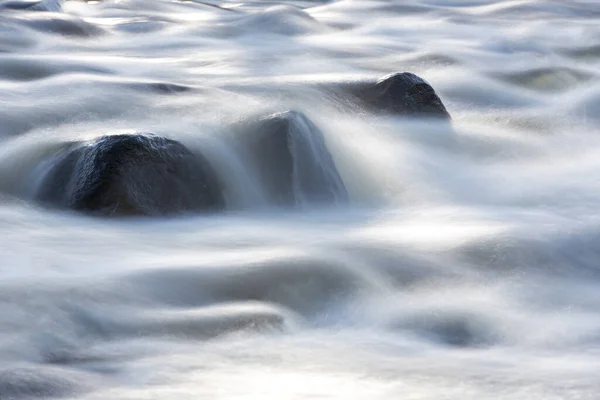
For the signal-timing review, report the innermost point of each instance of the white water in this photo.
(466, 267)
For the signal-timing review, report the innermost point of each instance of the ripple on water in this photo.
(57, 23)
(550, 79)
(32, 68)
(28, 382)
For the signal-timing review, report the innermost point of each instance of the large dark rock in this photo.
(292, 160)
(403, 94)
(132, 174)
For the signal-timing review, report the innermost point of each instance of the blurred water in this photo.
(466, 265)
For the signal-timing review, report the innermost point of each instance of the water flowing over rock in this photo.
(292, 159)
(308, 221)
(145, 174)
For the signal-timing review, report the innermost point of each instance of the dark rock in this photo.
(293, 162)
(133, 174)
(402, 94)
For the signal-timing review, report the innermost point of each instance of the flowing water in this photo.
(466, 266)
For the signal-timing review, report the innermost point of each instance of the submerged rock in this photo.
(403, 94)
(131, 174)
(292, 160)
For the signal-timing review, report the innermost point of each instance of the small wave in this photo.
(459, 329)
(14, 37)
(61, 24)
(41, 382)
(201, 323)
(26, 69)
(282, 20)
(547, 79)
(584, 53)
(307, 286)
(32, 5)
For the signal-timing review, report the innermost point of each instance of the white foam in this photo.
(464, 267)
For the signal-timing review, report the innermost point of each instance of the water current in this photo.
(465, 265)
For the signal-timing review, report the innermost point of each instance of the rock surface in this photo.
(131, 174)
(403, 94)
(292, 159)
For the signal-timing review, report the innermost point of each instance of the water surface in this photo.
(466, 265)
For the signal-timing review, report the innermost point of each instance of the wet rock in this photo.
(403, 94)
(292, 159)
(131, 174)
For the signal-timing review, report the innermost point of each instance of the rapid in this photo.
(465, 264)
